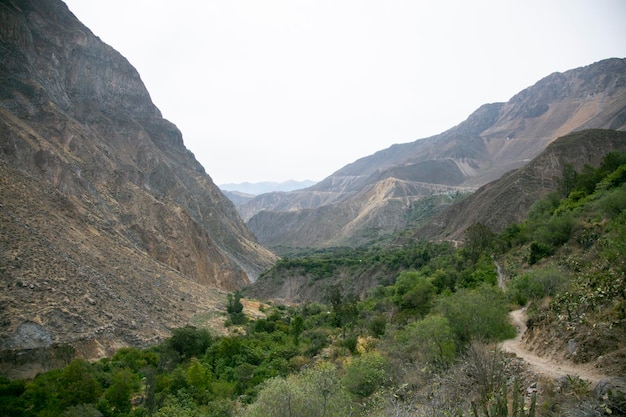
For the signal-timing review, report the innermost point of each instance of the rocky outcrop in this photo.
(101, 200)
(495, 139)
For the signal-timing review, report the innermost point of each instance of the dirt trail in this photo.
(545, 366)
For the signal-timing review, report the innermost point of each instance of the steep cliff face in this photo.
(92, 169)
(495, 139)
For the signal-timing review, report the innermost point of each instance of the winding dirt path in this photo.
(545, 366)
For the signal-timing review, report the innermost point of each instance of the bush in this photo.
(78, 385)
(315, 393)
(190, 341)
(612, 203)
(82, 410)
(123, 384)
(538, 251)
(234, 309)
(414, 292)
(429, 341)
(315, 340)
(524, 288)
(377, 326)
(366, 373)
(477, 314)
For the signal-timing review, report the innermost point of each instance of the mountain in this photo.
(496, 205)
(256, 188)
(111, 233)
(508, 199)
(371, 197)
(238, 198)
(242, 193)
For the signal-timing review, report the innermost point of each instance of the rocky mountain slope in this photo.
(242, 193)
(496, 205)
(111, 231)
(508, 199)
(372, 195)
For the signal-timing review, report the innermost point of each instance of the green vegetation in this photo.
(421, 342)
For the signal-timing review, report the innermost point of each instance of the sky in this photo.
(272, 90)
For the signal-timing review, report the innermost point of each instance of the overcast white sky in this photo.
(270, 90)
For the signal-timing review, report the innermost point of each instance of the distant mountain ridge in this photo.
(371, 196)
(256, 188)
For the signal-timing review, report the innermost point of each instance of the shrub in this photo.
(477, 314)
(123, 384)
(538, 251)
(315, 340)
(81, 410)
(366, 373)
(612, 203)
(234, 309)
(78, 385)
(314, 393)
(190, 341)
(429, 341)
(524, 288)
(378, 325)
(414, 292)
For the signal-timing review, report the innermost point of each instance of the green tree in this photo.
(333, 296)
(414, 292)
(78, 385)
(179, 406)
(198, 380)
(297, 327)
(190, 341)
(315, 393)
(377, 325)
(478, 239)
(123, 384)
(42, 393)
(567, 183)
(344, 306)
(82, 410)
(482, 271)
(11, 401)
(278, 398)
(322, 386)
(135, 359)
(234, 308)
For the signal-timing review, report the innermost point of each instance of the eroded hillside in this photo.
(495, 139)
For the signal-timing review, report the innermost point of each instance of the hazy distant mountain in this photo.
(375, 196)
(256, 188)
(238, 198)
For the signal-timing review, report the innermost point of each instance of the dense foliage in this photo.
(421, 343)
